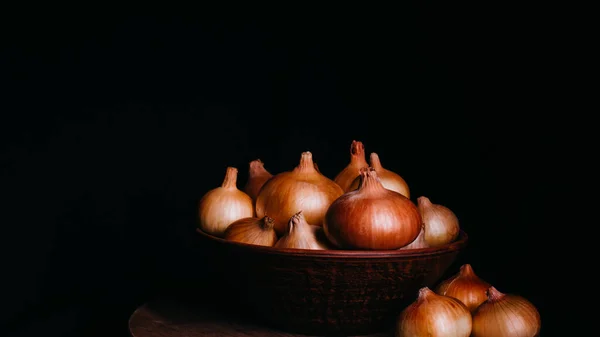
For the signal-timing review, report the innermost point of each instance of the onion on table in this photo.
(466, 287)
(434, 315)
(506, 315)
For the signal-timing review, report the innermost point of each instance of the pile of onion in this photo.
(364, 208)
(466, 305)
(372, 217)
(302, 189)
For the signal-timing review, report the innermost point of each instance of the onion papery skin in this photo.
(257, 176)
(434, 315)
(441, 224)
(254, 231)
(419, 242)
(303, 188)
(389, 179)
(466, 287)
(221, 206)
(506, 315)
(357, 161)
(372, 217)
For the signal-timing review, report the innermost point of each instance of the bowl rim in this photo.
(456, 245)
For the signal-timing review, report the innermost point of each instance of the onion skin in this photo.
(419, 242)
(252, 231)
(372, 217)
(506, 315)
(301, 235)
(466, 287)
(352, 170)
(434, 315)
(257, 176)
(441, 224)
(303, 188)
(223, 205)
(390, 180)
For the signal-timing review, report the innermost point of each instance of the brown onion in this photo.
(372, 217)
(441, 224)
(303, 188)
(466, 287)
(390, 180)
(506, 315)
(257, 176)
(301, 235)
(352, 170)
(223, 205)
(253, 231)
(419, 242)
(434, 315)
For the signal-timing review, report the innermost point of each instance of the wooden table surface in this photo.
(171, 318)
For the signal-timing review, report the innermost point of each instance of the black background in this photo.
(114, 125)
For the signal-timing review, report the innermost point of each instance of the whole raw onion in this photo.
(372, 217)
(302, 189)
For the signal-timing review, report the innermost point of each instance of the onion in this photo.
(441, 224)
(303, 188)
(434, 315)
(257, 176)
(506, 315)
(253, 231)
(352, 170)
(372, 217)
(390, 180)
(223, 205)
(466, 287)
(301, 235)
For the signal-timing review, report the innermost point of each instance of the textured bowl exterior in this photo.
(329, 292)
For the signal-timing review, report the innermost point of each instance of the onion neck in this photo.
(257, 168)
(425, 293)
(424, 202)
(306, 164)
(267, 223)
(494, 295)
(230, 181)
(295, 221)
(467, 271)
(375, 162)
(357, 154)
(369, 181)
